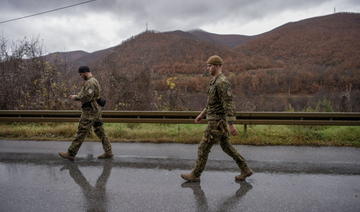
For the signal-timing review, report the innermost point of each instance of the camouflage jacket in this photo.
(89, 93)
(220, 103)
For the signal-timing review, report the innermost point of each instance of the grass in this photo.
(190, 133)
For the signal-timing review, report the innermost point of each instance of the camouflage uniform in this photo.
(219, 112)
(90, 117)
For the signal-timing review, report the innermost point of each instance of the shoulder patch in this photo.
(229, 92)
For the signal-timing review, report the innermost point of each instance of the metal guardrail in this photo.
(186, 117)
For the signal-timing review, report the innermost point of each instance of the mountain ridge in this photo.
(298, 64)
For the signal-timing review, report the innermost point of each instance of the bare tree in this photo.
(28, 80)
(345, 104)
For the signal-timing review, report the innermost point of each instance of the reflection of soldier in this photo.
(90, 116)
(200, 197)
(220, 116)
(95, 195)
(227, 205)
(231, 202)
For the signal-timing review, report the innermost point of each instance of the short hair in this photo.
(83, 69)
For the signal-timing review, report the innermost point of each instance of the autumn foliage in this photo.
(297, 66)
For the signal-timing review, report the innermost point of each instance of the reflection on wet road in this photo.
(103, 186)
(95, 196)
(230, 203)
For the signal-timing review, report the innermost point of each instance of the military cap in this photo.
(83, 69)
(215, 60)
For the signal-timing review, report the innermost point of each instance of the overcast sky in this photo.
(105, 23)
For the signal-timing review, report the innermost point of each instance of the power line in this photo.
(48, 11)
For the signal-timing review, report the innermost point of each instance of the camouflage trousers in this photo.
(86, 123)
(216, 132)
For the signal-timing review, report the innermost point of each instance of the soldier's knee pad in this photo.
(98, 123)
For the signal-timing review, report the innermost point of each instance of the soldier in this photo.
(90, 116)
(220, 116)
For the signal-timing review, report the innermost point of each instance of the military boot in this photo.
(245, 172)
(190, 177)
(106, 155)
(66, 155)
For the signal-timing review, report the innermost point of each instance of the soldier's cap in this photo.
(83, 69)
(215, 60)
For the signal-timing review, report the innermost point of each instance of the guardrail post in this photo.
(245, 129)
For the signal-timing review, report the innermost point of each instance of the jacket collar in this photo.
(213, 80)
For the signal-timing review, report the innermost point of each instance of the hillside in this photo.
(297, 65)
(94, 57)
(230, 41)
(78, 58)
(171, 52)
(151, 59)
(330, 40)
(311, 64)
(69, 57)
(321, 56)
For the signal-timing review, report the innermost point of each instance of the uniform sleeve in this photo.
(87, 93)
(226, 99)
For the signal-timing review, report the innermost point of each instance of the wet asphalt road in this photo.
(33, 178)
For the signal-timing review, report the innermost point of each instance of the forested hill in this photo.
(231, 40)
(331, 40)
(313, 63)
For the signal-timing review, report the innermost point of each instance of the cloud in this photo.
(105, 23)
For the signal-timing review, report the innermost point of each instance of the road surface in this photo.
(145, 177)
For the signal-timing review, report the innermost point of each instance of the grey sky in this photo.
(106, 23)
